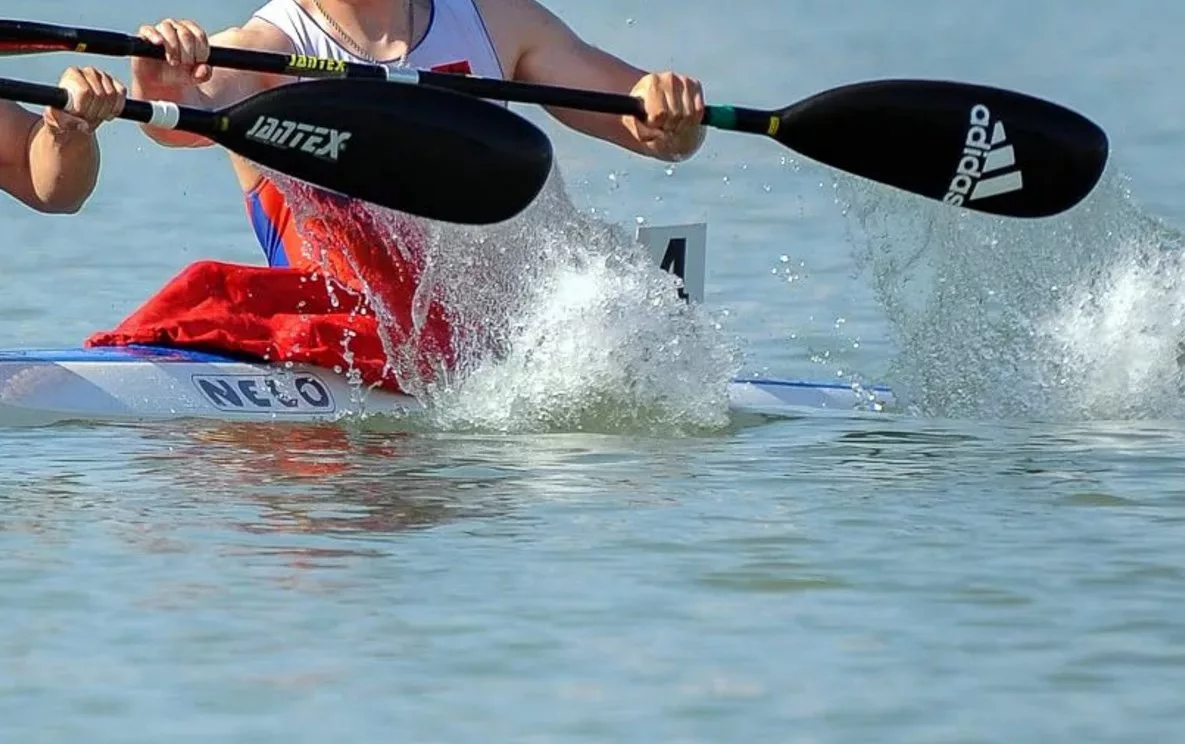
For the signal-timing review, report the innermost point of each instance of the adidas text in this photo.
(320, 142)
(984, 153)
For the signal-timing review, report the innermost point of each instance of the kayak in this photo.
(40, 387)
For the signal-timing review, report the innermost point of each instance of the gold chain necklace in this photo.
(361, 52)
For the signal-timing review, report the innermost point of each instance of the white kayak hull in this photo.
(110, 385)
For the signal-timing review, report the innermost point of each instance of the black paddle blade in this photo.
(424, 151)
(982, 148)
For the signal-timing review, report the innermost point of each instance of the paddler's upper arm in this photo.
(16, 128)
(229, 86)
(538, 47)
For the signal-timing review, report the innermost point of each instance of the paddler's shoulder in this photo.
(528, 15)
(517, 26)
(256, 33)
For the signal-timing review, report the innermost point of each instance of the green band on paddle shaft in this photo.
(721, 117)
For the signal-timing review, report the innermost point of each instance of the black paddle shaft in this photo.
(189, 119)
(36, 36)
(972, 146)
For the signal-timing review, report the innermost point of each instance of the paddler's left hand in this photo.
(95, 97)
(674, 107)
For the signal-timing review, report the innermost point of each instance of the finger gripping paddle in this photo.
(423, 151)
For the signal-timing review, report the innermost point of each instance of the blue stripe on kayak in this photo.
(163, 354)
(112, 354)
(774, 382)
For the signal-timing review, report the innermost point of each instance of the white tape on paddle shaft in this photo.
(407, 75)
(165, 114)
(69, 101)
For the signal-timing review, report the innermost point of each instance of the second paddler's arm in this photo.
(536, 46)
(184, 78)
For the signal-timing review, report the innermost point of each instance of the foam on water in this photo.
(560, 323)
(1074, 317)
(597, 348)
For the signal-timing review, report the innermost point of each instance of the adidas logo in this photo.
(984, 154)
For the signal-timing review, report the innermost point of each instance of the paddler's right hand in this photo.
(186, 51)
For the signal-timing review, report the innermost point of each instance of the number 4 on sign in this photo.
(681, 250)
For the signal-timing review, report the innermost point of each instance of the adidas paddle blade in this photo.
(982, 148)
(424, 151)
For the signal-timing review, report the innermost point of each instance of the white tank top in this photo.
(456, 35)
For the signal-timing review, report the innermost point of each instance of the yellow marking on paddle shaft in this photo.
(304, 62)
(223, 123)
(774, 123)
(81, 47)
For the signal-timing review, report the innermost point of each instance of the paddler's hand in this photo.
(95, 97)
(186, 51)
(674, 107)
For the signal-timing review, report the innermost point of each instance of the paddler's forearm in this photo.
(613, 129)
(561, 58)
(63, 168)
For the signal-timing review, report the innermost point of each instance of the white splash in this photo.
(603, 346)
(562, 323)
(1075, 317)
(1116, 348)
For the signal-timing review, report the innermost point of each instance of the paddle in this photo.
(982, 148)
(423, 151)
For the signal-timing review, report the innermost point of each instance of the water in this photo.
(997, 563)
